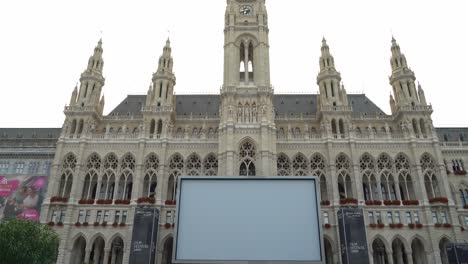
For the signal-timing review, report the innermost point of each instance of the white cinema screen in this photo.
(222, 220)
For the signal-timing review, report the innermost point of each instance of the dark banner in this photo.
(353, 237)
(145, 235)
(457, 253)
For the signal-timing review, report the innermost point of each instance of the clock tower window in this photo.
(246, 61)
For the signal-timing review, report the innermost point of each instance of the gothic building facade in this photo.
(407, 175)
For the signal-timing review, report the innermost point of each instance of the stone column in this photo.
(390, 257)
(246, 62)
(409, 257)
(87, 255)
(106, 256)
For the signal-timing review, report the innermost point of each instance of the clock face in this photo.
(246, 10)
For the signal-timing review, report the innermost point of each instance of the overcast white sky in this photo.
(45, 46)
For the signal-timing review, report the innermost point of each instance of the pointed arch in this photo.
(342, 162)
(78, 250)
(152, 127)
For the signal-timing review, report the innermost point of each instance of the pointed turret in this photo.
(74, 94)
(329, 79)
(392, 104)
(92, 80)
(161, 90)
(422, 96)
(402, 78)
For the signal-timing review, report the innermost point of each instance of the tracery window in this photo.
(150, 181)
(176, 166)
(111, 162)
(300, 166)
(430, 179)
(384, 162)
(94, 162)
(317, 162)
(128, 162)
(194, 165)
(342, 162)
(388, 188)
(66, 178)
(406, 186)
(345, 185)
(369, 185)
(210, 165)
(283, 165)
(366, 162)
(427, 162)
(401, 162)
(69, 162)
(247, 157)
(176, 163)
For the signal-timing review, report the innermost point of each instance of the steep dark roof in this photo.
(39, 133)
(285, 104)
(452, 133)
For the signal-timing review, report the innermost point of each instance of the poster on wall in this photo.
(21, 197)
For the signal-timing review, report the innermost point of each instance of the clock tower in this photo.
(246, 110)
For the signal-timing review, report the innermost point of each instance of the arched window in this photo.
(73, 127)
(423, 127)
(299, 165)
(323, 187)
(80, 127)
(283, 165)
(150, 181)
(160, 125)
(406, 186)
(152, 127)
(66, 178)
(342, 127)
(464, 195)
(210, 165)
(345, 185)
(176, 167)
(415, 127)
(247, 154)
(334, 127)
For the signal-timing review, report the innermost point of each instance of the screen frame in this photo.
(316, 180)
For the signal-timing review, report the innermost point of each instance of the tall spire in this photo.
(92, 80)
(327, 62)
(161, 90)
(402, 78)
(95, 62)
(329, 80)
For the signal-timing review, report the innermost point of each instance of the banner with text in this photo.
(353, 239)
(145, 235)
